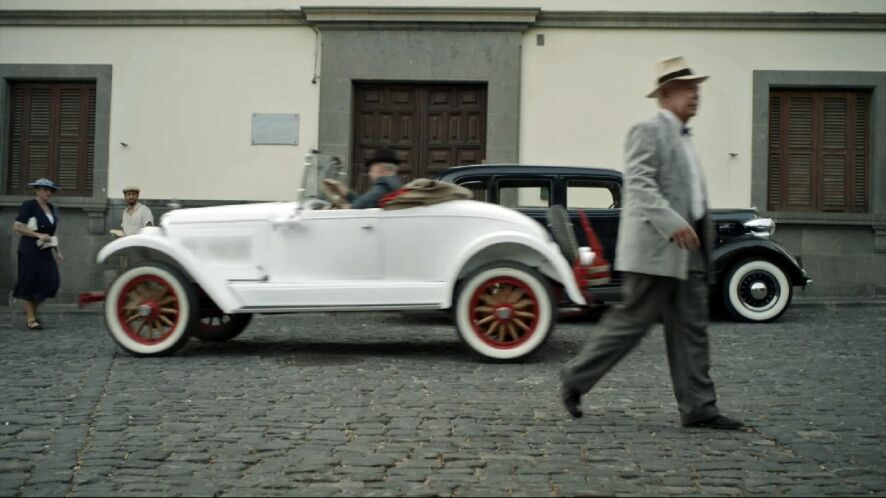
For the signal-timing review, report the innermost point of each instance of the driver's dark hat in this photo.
(383, 156)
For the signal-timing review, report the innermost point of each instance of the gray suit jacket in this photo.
(657, 201)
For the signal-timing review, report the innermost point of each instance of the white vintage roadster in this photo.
(204, 272)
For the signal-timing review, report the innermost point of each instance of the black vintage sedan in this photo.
(755, 275)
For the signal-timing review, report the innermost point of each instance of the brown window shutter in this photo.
(833, 153)
(818, 150)
(859, 153)
(52, 135)
(799, 153)
(776, 152)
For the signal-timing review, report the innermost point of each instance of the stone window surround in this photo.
(874, 81)
(95, 205)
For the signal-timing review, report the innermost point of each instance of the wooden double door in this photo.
(429, 126)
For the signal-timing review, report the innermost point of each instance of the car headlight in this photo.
(761, 227)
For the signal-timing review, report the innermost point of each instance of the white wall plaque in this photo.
(274, 129)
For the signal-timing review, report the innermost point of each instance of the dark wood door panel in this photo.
(430, 127)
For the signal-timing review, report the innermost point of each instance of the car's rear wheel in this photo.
(218, 326)
(756, 290)
(149, 309)
(504, 311)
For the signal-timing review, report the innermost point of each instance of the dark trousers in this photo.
(682, 306)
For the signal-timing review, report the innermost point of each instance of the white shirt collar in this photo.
(673, 120)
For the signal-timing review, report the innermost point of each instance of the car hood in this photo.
(229, 214)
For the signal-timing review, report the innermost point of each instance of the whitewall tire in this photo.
(756, 290)
(149, 310)
(504, 311)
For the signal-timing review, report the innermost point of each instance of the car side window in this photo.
(592, 194)
(524, 193)
(478, 189)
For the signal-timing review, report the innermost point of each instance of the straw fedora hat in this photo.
(675, 68)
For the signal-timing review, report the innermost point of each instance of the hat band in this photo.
(675, 74)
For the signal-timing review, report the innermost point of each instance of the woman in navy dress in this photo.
(38, 258)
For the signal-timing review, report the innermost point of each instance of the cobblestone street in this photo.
(393, 404)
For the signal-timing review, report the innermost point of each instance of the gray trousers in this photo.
(682, 306)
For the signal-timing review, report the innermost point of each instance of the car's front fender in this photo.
(738, 248)
(521, 247)
(151, 239)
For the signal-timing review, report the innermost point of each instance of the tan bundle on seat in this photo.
(424, 192)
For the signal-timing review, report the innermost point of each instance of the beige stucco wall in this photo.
(583, 89)
(183, 98)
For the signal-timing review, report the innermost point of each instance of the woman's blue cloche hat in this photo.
(43, 182)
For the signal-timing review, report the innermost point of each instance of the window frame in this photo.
(502, 181)
(875, 82)
(613, 186)
(100, 74)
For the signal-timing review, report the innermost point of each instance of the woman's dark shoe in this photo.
(717, 422)
(34, 325)
(571, 400)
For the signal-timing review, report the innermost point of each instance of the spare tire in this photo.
(563, 232)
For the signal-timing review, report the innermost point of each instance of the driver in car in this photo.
(382, 170)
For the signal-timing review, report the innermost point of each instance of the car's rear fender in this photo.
(151, 247)
(726, 255)
(517, 247)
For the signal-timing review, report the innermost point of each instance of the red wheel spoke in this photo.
(491, 329)
(524, 303)
(515, 295)
(486, 320)
(524, 314)
(512, 331)
(489, 299)
(520, 324)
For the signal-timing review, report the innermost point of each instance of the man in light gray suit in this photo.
(664, 247)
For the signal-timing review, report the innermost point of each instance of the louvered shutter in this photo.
(799, 153)
(833, 153)
(860, 152)
(818, 151)
(52, 135)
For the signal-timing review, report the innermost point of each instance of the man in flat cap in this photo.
(382, 169)
(136, 215)
(664, 252)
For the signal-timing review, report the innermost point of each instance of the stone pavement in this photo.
(392, 404)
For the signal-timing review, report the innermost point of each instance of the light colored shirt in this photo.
(695, 175)
(136, 220)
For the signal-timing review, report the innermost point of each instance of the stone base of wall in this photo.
(842, 261)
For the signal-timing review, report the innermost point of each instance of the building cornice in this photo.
(450, 19)
(714, 20)
(151, 17)
(488, 19)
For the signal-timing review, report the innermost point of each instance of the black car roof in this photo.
(497, 169)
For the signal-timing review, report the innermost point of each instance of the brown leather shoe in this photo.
(572, 401)
(717, 422)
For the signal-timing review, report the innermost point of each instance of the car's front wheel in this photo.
(149, 309)
(756, 290)
(504, 311)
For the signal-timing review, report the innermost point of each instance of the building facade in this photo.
(186, 99)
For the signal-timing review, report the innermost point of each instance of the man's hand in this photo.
(685, 238)
(336, 186)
